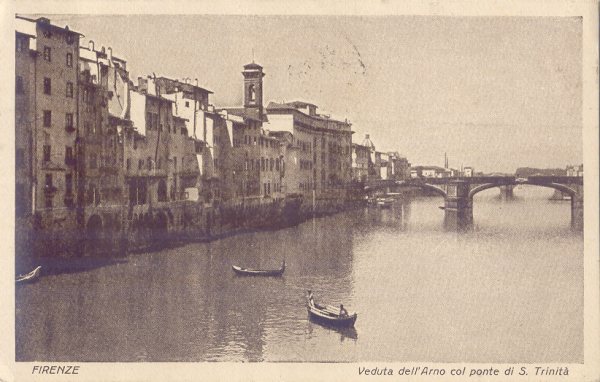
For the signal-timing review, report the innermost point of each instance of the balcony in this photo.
(69, 129)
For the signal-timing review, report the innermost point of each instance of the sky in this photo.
(494, 93)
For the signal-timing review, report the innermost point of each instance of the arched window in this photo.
(162, 191)
(252, 93)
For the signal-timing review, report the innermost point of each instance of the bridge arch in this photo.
(561, 187)
(426, 186)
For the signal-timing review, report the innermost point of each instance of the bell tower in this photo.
(253, 90)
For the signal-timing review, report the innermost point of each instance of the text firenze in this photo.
(66, 369)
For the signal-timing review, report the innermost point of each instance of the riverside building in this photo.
(103, 163)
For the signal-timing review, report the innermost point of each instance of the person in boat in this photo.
(311, 300)
(343, 311)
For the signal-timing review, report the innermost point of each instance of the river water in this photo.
(510, 290)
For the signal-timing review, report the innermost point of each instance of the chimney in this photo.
(109, 53)
(91, 45)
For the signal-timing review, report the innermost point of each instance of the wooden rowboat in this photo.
(259, 272)
(31, 276)
(330, 315)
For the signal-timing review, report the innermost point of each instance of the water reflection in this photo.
(421, 293)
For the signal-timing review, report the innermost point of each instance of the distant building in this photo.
(576, 170)
(398, 166)
(324, 157)
(361, 162)
(468, 172)
(428, 172)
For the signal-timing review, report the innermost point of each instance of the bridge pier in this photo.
(458, 207)
(577, 210)
(506, 192)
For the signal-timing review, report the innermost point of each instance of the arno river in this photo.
(511, 290)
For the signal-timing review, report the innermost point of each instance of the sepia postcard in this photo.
(300, 191)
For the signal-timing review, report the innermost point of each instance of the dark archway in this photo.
(162, 190)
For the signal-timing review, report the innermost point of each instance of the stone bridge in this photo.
(458, 193)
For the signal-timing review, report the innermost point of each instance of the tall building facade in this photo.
(46, 105)
(323, 159)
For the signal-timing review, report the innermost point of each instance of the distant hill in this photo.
(524, 172)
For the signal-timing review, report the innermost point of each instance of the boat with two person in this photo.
(258, 272)
(31, 276)
(329, 314)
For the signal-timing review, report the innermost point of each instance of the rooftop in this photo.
(252, 65)
(45, 21)
(185, 84)
(294, 106)
(244, 113)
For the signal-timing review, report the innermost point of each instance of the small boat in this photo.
(385, 202)
(259, 272)
(330, 315)
(441, 207)
(31, 276)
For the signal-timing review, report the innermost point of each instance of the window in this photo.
(140, 164)
(69, 121)
(69, 183)
(162, 191)
(93, 160)
(252, 93)
(47, 86)
(47, 118)
(19, 88)
(68, 155)
(47, 54)
(69, 60)
(20, 44)
(48, 181)
(175, 163)
(69, 90)
(128, 163)
(187, 103)
(149, 163)
(46, 153)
